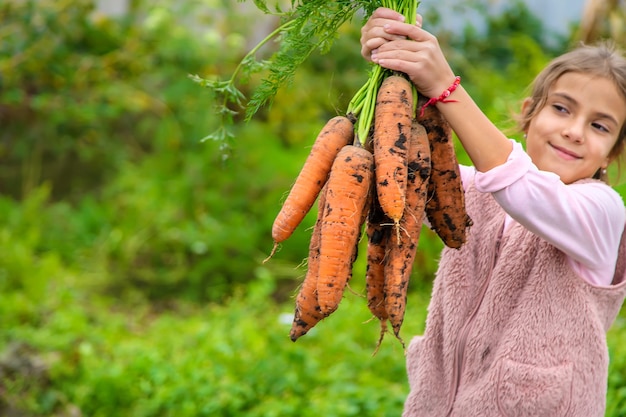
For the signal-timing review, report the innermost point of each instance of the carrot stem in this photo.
(364, 101)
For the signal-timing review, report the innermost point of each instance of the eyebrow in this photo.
(602, 115)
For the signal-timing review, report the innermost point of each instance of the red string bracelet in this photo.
(444, 96)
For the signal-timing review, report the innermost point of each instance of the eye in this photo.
(600, 126)
(560, 108)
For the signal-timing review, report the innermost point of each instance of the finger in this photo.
(375, 36)
(379, 31)
(386, 13)
(385, 53)
(400, 46)
(404, 30)
(402, 65)
(371, 45)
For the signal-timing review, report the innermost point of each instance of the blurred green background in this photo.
(131, 273)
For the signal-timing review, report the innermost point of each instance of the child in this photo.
(518, 316)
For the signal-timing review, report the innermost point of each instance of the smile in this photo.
(565, 153)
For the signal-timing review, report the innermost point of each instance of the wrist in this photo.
(444, 96)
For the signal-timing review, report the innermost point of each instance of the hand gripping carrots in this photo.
(408, 172)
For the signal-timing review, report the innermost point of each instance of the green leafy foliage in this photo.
(54, 82)
(616, 396)
(223, 360)
(312, 26)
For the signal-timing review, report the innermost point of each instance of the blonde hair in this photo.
(604, 60)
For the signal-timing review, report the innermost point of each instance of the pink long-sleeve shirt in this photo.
(584, 220)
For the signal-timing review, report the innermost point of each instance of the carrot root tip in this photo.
(271, 253)
(398, 229)
(383, 330)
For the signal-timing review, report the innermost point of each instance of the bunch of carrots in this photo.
(404, 173)
(379, 171)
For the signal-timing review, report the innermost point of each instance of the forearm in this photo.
(484, 143)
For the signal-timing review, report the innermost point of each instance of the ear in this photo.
(525, 109)
(525, 104)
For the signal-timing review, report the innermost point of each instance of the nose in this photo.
(575, 131)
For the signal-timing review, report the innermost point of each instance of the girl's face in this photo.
(573, 134)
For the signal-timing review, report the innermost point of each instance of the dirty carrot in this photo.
(308, 313)
(392, 126)
(337, 133)
(445, 208)
(378, 230)
(348, 187)
(401, 254)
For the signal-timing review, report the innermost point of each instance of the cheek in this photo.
(602, 147)
(617, 149)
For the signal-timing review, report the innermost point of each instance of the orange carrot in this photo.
(308, 312)
(348, 187)
(337, 133)
(392, 126)
(445, 208)
(401, 254)
(379, 229)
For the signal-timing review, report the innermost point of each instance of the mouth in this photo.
(565, 153)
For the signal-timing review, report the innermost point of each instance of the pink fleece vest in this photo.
(512, 330)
